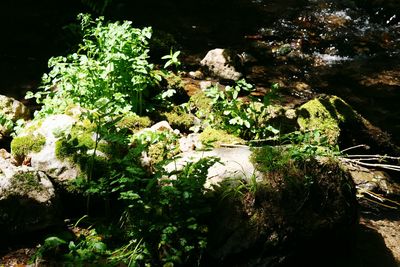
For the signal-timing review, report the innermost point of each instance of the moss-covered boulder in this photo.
(37, 145)
(27, 200)
(179, 119)
(296, 205)
(341, 124)
(325, 114)
(134, 123)
(217, 138)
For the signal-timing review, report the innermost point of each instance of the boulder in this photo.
(27, 199)
(221, 64)
(269, 222)
(342, 125)
(38, 144)
(234, 163)
(13, 109)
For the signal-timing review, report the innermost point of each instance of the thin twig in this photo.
(354, 147)
(384, 166)
(372, 156)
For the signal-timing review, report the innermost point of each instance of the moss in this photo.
(134, 123)
(161, 151)
(325, 114)
(22, 145)
(24, 183)
(201, 102)
(271, 159)
(218, 137)
(157, 152)
(80, 140)
(179, 119)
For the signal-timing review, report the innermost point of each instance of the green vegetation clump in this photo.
(236, 115)
(21, 146)
(325, 114)
(179, 119)
(201, 103)
(109, 73)
(80, 146)
(134, 122)
(216, 137)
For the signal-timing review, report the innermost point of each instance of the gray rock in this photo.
(61, 170)
(234, 164)
(221, 64)
(27, 199)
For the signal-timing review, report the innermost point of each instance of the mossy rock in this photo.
(326, 114)
(134, 123)
(201, 104)
(268, 221)
(179, 119)
(173, 81)
(217, 137)
(79, 146)
(21, 146)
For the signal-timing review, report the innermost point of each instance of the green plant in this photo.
(165, 214)
(11, 127)
(84, 247)
(172, 59)
(309, 144)
(245, 118)
(109, 73)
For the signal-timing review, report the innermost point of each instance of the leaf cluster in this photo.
(243, 115)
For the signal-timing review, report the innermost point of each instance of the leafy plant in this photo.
(9, 126)
(109, 73)
(245, 118)
(164, 216)
(172, 59)
(309, 144)
(83, 248)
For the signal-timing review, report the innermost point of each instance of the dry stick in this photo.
(378, 197)
(354, 147)
(384, 205)
(372, 156)
(381, 198)
(384, 166)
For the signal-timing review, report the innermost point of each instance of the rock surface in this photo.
(45, 160)
(234, 163)
(220, 63)
(269, 226)
(27, 199)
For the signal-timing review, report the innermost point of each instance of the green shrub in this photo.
(234, 114)
(109, 73)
